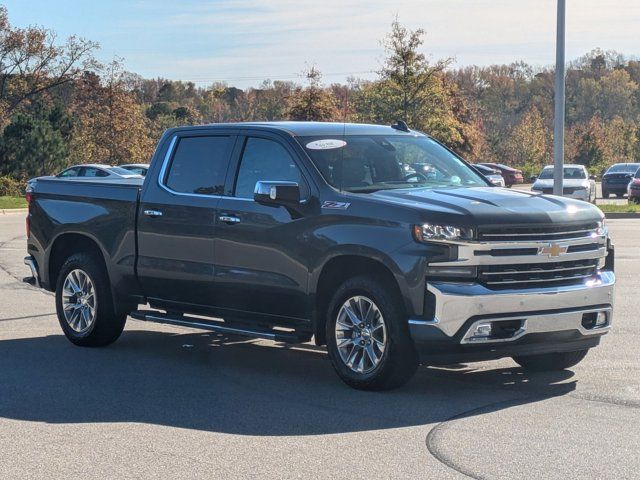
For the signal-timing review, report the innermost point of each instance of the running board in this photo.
(214, 326)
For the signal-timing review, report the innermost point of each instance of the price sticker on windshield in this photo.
(326, 144)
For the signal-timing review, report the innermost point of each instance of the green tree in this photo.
(312, 103)
(36, 144)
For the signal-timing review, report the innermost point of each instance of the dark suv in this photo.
(616, 179)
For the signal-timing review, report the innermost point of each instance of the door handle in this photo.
(153, 213)
(230, 219)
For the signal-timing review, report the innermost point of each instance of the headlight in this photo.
(429, 232)
(602, 229)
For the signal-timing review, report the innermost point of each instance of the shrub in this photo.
(10, 187)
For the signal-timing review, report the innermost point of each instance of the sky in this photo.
(243, 42)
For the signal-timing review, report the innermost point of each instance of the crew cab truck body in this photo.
(290, 231)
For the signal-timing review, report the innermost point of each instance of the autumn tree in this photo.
(111, 127)
(529, 144)
(33, 62)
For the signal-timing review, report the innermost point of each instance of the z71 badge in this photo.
(335, 205)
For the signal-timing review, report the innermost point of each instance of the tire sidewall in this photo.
(75, 263)
(391, 313)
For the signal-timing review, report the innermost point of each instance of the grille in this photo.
(537, 233)
(531, 275)
(565, 190)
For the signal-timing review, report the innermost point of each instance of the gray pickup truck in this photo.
(376, 241)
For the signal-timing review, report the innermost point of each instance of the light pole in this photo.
(558, 121)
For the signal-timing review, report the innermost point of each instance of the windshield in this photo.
(624, 168)
(366, 163)
(570, 173)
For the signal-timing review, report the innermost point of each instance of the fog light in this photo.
(482, 330)
(601, 320)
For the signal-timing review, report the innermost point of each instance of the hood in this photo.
(567, 182)
(490, 206)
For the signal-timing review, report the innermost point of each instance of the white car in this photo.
(89, 171)
(139, 168)
(576, 183)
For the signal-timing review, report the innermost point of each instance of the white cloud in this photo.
(241, 40)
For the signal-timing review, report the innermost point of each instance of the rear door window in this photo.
(199, 165)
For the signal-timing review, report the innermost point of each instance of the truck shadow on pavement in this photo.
(233, 385)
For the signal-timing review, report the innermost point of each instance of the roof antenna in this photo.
(400, 125)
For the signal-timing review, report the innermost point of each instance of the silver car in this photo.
(576, 183)
(89, 171)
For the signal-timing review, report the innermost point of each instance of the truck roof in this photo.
(314, 129)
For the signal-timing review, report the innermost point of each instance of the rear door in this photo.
(177, 220)
(260, 258)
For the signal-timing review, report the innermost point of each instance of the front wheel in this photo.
(551, 361)
(367, 336)
(84, 304)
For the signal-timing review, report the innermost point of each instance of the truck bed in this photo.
(104, 210)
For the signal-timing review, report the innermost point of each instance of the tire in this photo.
(605, 194)
(619, 195)
(551, 361)
(102, 327)
(398, 359)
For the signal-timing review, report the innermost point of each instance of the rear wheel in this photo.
(619, 195)
(605, 194)
(551, 361)
(367, 336)
(84, 303)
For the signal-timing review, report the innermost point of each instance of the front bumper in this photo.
(548, 314)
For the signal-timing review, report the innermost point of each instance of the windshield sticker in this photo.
(327, 144)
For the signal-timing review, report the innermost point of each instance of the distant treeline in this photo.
(59, 106)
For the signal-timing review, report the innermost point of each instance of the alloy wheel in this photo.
(361, 334)
(79, 301)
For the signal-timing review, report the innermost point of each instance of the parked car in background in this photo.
(491, 174)
(137, 168)
(633, 188)
(511, 176)
(90, 171)
(576, 183)
(616, 179)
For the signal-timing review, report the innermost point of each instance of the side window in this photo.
(93, 172)
(264, 159)
(200, 164)
(70, 172)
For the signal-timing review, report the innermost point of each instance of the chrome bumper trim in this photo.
(34, 271)
(543, 323)
(456, 303)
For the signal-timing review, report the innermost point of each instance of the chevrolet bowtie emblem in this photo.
(553, 250)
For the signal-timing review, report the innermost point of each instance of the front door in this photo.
(259, 252)
(177, 221)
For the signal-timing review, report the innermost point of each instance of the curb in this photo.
(10, 211)
(622, 215)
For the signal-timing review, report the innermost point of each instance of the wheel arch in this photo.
(339, 267)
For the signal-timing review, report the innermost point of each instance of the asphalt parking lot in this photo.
(167, 402)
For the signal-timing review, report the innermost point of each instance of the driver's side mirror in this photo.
(533, 178)
(277, 193)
